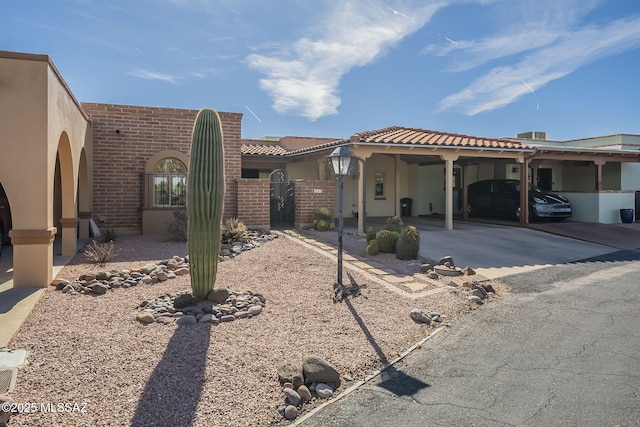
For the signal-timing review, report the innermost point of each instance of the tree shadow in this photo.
(392, 379)
(173, 391)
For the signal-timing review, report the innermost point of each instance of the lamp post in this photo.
(340, 160)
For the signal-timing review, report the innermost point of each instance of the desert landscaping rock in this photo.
(290, 412)
(218, 296)
(323, 391)
(304, 393)
(189, 311)
(291, 373)
(318, 370)
(292, 396)
(420, 316)
(476, 299)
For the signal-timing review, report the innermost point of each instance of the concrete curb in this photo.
(373, 375)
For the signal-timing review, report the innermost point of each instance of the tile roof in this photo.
(391, 135)
(410, 136)
(257, 148)
(262, 150)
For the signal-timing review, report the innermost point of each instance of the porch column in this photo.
(524, 193)
(69, 235)
(362, 208)
(448, 184)
(397, 184)
(32, 257)
(599, 163)
(84, 218)
(465, 196)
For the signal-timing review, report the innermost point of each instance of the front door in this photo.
(545, 182)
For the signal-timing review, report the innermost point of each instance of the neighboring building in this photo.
(65, 165)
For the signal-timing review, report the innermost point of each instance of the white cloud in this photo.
(504, 85)
(304, 79)
(152, 75)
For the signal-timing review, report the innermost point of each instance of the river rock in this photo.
(324, 391)
(292, 396)
(290, 412)
(420, 316)
(145, 317)
(218, 296)
(186, 319)
(304, 393)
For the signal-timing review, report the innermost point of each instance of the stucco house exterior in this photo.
(66, 166)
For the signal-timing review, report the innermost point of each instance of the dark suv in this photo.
(501, 197)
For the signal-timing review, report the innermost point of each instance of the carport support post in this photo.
(449, 159)
(524, 193)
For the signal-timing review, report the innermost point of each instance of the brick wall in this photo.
(126, 137)
(253, 202)
(310, 195)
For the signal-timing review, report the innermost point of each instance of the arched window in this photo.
(169, 183)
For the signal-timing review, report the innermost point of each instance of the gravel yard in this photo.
(90, 350)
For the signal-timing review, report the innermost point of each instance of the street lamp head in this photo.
(340, 160)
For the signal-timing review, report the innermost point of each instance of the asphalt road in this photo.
(563, 349)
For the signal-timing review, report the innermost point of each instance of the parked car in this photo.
(501, 197)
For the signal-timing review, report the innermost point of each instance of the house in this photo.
(66, 166)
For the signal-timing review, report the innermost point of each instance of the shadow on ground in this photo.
(173, 391)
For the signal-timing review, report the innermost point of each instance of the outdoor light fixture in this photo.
(340, 160)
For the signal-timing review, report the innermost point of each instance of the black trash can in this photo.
(405, 206)
(626, 216)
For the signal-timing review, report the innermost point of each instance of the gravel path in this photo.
(90, 349)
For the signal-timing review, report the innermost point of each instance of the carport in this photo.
(45, 167)
(473, 156)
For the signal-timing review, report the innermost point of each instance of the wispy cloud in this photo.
(503, 85)
(304, 78)
(152, 75)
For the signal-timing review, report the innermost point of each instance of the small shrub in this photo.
(234, 230)
(372, 248)
(394, 223)
(387, 240)
(371, 233)
(99, 253)
(178, 228)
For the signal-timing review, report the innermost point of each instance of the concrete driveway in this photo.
(495, 249)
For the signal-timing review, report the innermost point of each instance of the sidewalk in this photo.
(17, 303)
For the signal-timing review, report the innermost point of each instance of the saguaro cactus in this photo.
(205, 197)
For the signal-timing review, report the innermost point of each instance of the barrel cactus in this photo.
(322, 218)
(408, 243)
(387, 240)
(205, 197)
(394, 223)
(372, 248)
(371, 234)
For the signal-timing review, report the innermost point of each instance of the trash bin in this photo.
(626, 216)
(405, 206)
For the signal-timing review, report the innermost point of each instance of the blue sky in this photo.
(330, 68)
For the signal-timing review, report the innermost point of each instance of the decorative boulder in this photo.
(420, 316)
(318, 370)
(184, 300)
(292, 374)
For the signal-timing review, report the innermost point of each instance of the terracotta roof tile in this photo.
(411, 136)
(262, 150)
